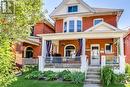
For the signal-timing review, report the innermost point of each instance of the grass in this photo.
(117, 85)
(21, 82)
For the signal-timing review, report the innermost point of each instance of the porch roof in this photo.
(87, 35)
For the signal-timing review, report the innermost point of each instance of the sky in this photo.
(117, 4)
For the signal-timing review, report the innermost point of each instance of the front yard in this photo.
(21, 82)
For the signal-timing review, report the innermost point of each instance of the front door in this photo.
(95, 54)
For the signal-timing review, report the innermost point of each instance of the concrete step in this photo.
(94, 76)
(93, 81)
(92, 85)
(93, 73)
(94, 70)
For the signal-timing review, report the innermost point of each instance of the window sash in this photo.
(108, 48)
(72, 8)
(71, 26)
(79, 25)
(65, 26)
(97, 21)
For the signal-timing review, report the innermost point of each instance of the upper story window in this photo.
(65, 26)
(97, 21)
(73, 8)
(32, 31)
(79, 25)
(71, 26)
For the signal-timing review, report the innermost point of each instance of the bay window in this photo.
(79, 25)
(71, 26)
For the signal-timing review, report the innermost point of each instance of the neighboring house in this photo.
(83, 36)
(28, 50)
(127, 47)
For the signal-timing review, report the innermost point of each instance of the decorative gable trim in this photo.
(64, 2)
(112, 28)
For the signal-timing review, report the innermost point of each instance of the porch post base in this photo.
(41, 63)
(83, 63)
(122, 64)
(103, 61)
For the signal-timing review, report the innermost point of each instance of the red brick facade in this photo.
(127, 48)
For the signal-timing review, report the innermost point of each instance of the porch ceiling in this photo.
(87, 35)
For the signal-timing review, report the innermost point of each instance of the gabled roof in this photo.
(64, 2)
(102, 27)
(86, 10)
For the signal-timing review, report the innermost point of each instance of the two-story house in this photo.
(83, 36)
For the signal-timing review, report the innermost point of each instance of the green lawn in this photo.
(118, 85)
(21, 82)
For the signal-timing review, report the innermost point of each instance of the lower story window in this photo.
(108, 48)
(70, 51)
(29, 52)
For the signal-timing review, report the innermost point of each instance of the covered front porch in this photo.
(80, 49)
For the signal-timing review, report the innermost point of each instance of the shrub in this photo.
(77, 77)
(107, 74)
(127, 69)
(67, 77)
(64, 74)
(50, 75)
(109, 77)
(33, 75)
(29, 68)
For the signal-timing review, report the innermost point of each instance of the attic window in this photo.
(97, 21)
(73, 8)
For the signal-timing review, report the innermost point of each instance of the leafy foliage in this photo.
(50, 75)
(12, 27)
(109, 77)
(29, 68)
(127, 69)
(33, 75)
(77, 77)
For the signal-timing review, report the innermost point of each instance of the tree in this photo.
(12, 27)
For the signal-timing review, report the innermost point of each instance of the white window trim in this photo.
(97, 19)
(26, 49)
(106, 50)
(66, 46)
(72, 5)
(75, 23)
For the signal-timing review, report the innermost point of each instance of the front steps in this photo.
(93, 78)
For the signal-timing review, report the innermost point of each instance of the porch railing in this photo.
(63, 62)
(110, 60)
(30, 61)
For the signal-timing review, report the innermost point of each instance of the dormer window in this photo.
(73, 8)
(97, 21)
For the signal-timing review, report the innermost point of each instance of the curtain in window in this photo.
(48, 45)
(80, 48)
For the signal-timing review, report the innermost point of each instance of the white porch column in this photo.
(42, 58)
(83, 57)
(122, 57)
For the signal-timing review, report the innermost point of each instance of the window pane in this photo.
(71, 26)
(32, 31)
(108, 48)
(72, 8)
(97, 21)
(79, 25)
(65, 27)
